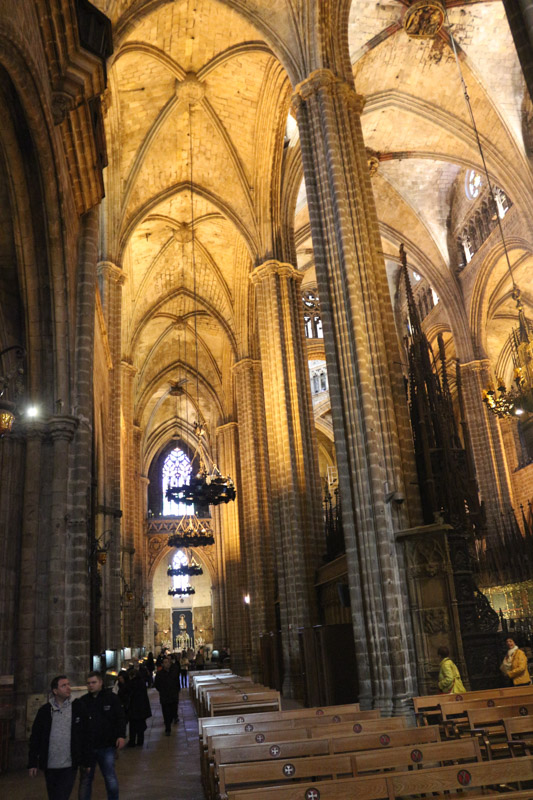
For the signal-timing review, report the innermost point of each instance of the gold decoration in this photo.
(6, 421)
(424, 19)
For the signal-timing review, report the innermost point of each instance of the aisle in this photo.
(166, 767)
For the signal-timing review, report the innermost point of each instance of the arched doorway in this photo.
(182, 621)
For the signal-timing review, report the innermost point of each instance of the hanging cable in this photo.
(195, 308)
(516, 290)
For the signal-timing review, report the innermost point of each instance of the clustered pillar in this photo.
(293, 460)
(234, 555)
(374, 448)
(254, 502)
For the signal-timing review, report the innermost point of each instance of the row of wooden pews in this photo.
(342, 752)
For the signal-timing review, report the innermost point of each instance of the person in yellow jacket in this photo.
(514, 665)
(449, 678)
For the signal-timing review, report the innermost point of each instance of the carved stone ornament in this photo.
(190, 89)
(424, 19)
(426, 557)
(435, 620)
(372, 159)
(155, 544)
(61, 105)
(183, 233)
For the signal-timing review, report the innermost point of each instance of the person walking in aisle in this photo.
(59, 741)
(184, 669)
(167, 684)
(107, 732)
(138, 707)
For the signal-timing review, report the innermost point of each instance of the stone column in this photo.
(293, 459)
(254, 500)
(31, 538)
(111, 280)
(61, 430)
(77, 633)
(487, 444)
(131, 474)
(147, 591)
(236, 584)
(218, 588)
(375, 458)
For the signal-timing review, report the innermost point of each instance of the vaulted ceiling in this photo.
(198, 98)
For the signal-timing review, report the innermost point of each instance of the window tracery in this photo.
(176, 471)
(180, 582)
(481, 222)
(312, 318)
(473, 185)
(318, 375)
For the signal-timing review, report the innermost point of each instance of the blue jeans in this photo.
(105, 758)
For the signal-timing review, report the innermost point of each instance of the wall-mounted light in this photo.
(246, 599)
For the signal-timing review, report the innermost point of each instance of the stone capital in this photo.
(128, 368)
(109, 270)
(326, 80)
(62, 428)
(274, 267)
(246, 365)
(478, 365)
(227, 428)
(34, 429)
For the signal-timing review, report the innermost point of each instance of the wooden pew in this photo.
(237, 702)
(456, 712)
(247, 723)
(519, 734)
(477, 777)
(240, 750)
(488, 723)
(430, 704)
(339, 765)
(307, 729)
(269, 733)
(319, 713)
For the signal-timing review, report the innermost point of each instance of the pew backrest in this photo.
(406, 784)
(481, 717)
(320, 714)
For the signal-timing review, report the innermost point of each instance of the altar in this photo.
(182, 629)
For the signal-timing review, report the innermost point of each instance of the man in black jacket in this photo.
(59, 741)
(107, 731)
(167, 684)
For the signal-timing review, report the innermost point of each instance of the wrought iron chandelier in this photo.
(189, 569)
(191, 532)
(518, 399)
(187, 590)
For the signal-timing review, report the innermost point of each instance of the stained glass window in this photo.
(473, 184)
(180, 582)
(176, 471)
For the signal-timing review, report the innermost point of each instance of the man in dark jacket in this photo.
(138, 707)
(59, 740)
(107, 731)
(167, 684)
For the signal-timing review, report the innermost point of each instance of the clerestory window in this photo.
(176, 471)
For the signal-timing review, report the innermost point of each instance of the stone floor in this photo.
(166, 767)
